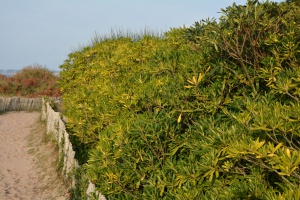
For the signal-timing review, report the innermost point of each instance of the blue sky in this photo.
(46, 31)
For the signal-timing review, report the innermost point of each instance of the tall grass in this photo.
(116, 33)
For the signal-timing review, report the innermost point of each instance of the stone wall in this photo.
(56, 126)
(20, 104)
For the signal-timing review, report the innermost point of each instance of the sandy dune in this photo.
(23, 173)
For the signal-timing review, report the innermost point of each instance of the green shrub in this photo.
(206, 112)
(297, 2)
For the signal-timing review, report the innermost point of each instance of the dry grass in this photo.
(44, 148)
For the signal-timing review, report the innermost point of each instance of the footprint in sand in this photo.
(20, 175)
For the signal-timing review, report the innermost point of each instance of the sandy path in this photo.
(20, 175)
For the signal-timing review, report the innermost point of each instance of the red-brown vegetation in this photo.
(31, 81)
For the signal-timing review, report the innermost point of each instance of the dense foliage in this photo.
(206, 112)
(297, 2)
(31, 81)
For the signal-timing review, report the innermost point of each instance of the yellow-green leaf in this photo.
(179, 118)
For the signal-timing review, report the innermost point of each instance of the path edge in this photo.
(69, 165)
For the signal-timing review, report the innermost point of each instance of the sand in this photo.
(27, 160)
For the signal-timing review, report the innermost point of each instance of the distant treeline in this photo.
(8, 72)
